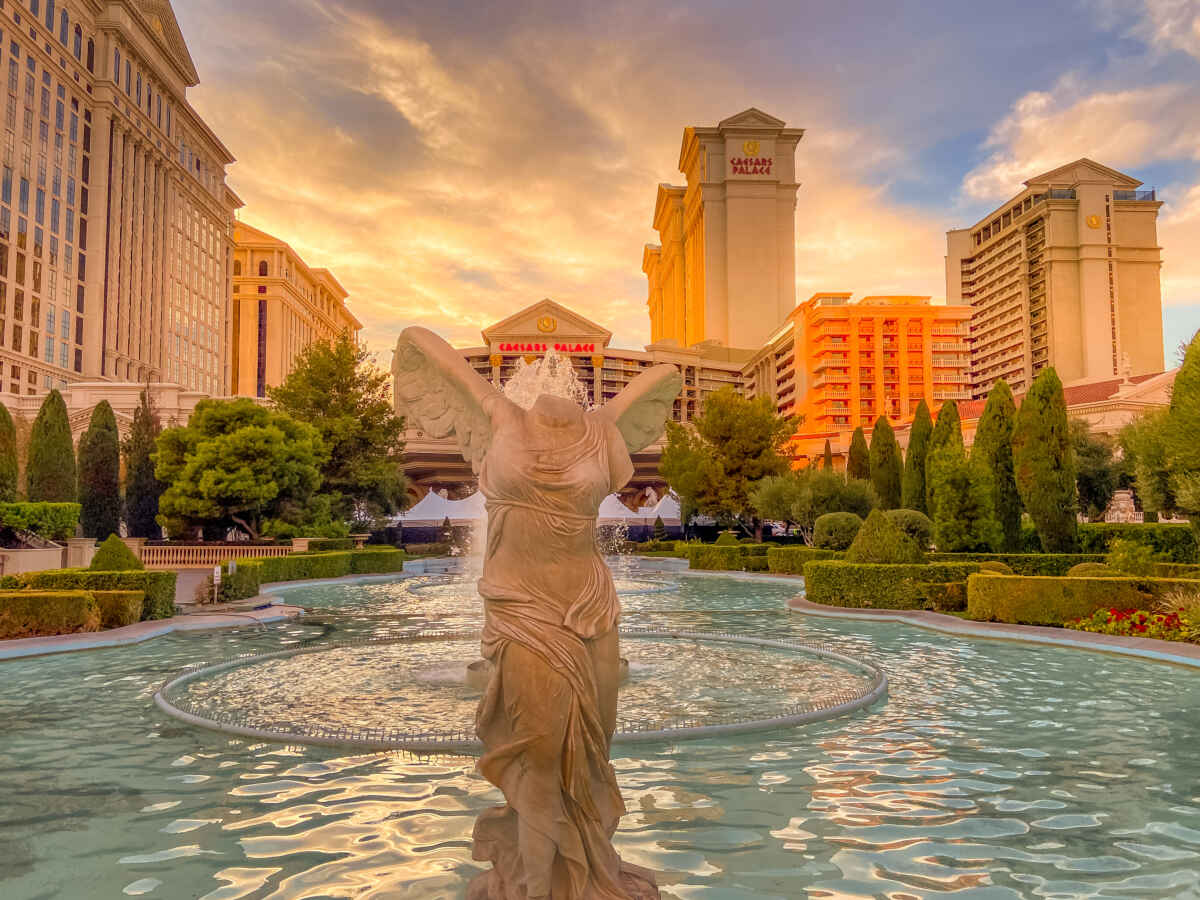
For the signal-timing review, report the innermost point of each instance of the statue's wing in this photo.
(642, 408)
(436, 390)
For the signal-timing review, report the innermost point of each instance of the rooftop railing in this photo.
(1135, 195)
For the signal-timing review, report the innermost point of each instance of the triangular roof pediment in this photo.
(1084, 169)
(751, 118)
(163, 24)
(551, 319)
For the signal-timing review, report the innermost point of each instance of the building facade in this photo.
(724, 270)
(280, 306)
(839, 365)
(1066, 273)
(602, 370)
(115, 219)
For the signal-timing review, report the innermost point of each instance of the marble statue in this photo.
(548, 714)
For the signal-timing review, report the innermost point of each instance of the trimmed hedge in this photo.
(54, 521)
(992, 565)
(836, 530)
(714, 557)
(1090, 570)
(439, 548)
(324, 545)
(1045, 600)
(1177, 543)
(335, 564)
(158, 587)
(119, 608)
(1176, 570)
(34, 613)
(1024, 563)
(755, 563)
(915, 524)
(878, 586)
(382, 561)
(791, 560)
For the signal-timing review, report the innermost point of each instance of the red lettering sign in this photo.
(758, 165)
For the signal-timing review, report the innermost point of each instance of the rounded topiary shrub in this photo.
(114, 556)
(1092, 570)
(836, 531)
(994, 565)
(726, 538)
(915, 524)
(880, 540)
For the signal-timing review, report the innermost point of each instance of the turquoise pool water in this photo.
(995, 769)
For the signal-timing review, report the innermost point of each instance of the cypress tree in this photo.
(913, 489)
(859, 463)
(1044, 463)
(100, 475)
(962, 508)
(947, 432)
(1181, 436)
(828, 456)
(8, 457)
(993, 449)
(50, 473)
(142, 488)
(886, 465)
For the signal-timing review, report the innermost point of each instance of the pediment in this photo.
(751, 118)
(1083, 170)
(165, 27)
(550, 321)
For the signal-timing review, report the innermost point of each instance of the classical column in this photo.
(597, 379)
(116, 195)
(137, 312)
(496, 360)
(125, 311)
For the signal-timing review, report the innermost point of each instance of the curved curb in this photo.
(379, 739)
(1140, 648)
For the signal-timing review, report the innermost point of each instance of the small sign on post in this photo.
(216, 583)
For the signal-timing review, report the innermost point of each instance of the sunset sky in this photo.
(452, 162)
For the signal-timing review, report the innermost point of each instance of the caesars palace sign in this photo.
(751, 163)
(509, 347)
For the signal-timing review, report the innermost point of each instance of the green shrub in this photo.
(439, 548)
(383, 561)
(950, 596)
(755, 563)
(158, 587)
(1044, 463)
(50, 467)
(881, 541)
(1043, 600)
(1091, 570)
(1177, 570)
(1177, 543)
(333, 564)
(1023, 563)
(791, 560)
(53, 521)
(660, 529)
(714, 557)
(35, 613)
(8, 456)
(726, 538)
(836, 530)
(242, 582)
(869, 586)
(961, 501)
(1132, 558)
(858, 460)
(755, 549)
(114, 556)
(999, 568)
(887, 464)
(324, 545)
(119, 608)
(100, 474)
(915, 524)
(913, 493)
(992, 449)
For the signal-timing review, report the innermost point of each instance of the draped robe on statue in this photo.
(546, 719)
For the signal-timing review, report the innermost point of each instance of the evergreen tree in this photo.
(1181, 436)
(142, 488)
(1044, 463)
(913, 488)
(963, 511)
(100, 475)
(50, 472)
(993, 448)
(887, 467)
(858, 464)
(828, 458)
(947, 432)
(660, 529)
(8, 457)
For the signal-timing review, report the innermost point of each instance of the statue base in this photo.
(639, 884)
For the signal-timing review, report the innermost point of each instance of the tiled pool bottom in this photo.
(994, 769)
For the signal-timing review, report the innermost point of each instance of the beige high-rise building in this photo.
(116, 224)
(725, 268)
(280, 307)
(1064, 274)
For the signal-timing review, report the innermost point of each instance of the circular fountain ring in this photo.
(839, 703)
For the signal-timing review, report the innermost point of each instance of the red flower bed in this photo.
(1169, 626)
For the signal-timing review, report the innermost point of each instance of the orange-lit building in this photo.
(841, 364)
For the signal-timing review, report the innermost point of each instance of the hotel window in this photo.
(64, 27)
(49, 14)
(117, 66)
(128, 78)
(91, 55)
(77, 46)
(262, 269)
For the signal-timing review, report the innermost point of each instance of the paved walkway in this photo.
(1148, 648)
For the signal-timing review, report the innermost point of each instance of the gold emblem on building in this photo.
(546, 324)
(1093, 221)
(750, 148)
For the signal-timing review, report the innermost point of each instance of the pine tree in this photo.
(947, 432)
(142, 488)
(100, 475)
(913, 491)
(660, 529)
(993, 449)
(1044, 463)
(887, 468)
(8, 457)
(50, 473)
(858, 465)
(828, 458)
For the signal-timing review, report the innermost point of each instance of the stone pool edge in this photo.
(1145, 648)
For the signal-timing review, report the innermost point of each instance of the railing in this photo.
(198, 556)
(1134, 195)
(1062, 193)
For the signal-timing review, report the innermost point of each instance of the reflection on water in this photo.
(995, 769)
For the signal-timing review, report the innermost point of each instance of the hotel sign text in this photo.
(542, 348)
(752, 165)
